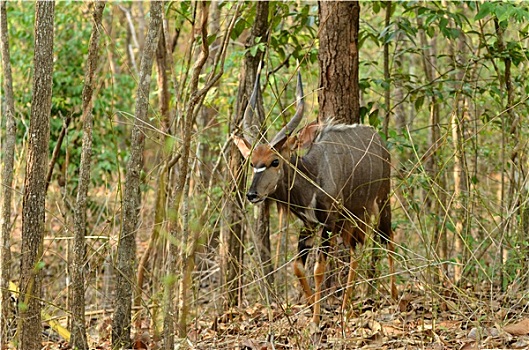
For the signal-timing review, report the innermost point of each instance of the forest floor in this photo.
(477, 316)
(410, 323)
(406, 324)
(422, 318)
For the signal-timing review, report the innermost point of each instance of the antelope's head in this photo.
(268, 159)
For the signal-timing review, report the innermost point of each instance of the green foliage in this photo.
(72, 32)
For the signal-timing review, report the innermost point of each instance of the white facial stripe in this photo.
(259, 170)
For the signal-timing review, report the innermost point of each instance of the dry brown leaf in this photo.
(405, 301)
(250, 343)
(392, 330)
(520, 328)
(449, 324)
(469, 346)
(522, 343)
(481, 333)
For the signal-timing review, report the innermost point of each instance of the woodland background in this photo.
(144, 233)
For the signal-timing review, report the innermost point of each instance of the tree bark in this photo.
(33, 207)
(339, 94)
(434, 201)
(181, 197)
(78, 328)
(233, 236)
(257, 128)
(387, 74)
(126, 258)
(161, 180)
(510, 135)
(6, 190)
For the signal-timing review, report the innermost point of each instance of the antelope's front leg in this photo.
(304, 244)
(319, 273)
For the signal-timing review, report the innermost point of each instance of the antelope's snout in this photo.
(253, 197)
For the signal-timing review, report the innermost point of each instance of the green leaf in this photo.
(419, 102)
(484, 11)
(376, 7)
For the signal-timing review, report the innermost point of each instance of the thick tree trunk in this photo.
(33, 210)
(77, 299)
(7, 144)
(257, 126)
(339, 94)
(233, 234)
(126, 258)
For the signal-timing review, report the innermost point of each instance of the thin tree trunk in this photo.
(186, 254)
(207, 115)
(6, 190)
(121, 324)
(339, 94)
(161, 186)
(233, 235)
(257, 126)
(78, 328)
(387, 73)
(188, 248)
(461, 192)
(509, 124)
(33, 207)
(435, 201)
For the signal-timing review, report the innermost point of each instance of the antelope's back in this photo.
(353, 166)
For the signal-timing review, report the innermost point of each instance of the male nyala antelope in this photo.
(339, 186)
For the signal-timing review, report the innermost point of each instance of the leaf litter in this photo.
(416, 321)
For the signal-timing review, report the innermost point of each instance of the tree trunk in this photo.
(434, 201)
(259, 33)
(387, 74)
(189, 243)
(339, 94)
(510, 135)
(7, 144)
(131, 199)
(233, 234)
(33, 207)
(161, 180)
(461, 208)
(77, 299)
(232, 237)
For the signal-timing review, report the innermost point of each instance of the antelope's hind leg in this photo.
(351, 236)
(386, 236)
(319, 273)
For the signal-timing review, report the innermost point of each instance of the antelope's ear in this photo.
(243, 145)
(307, 135)
(291, 143)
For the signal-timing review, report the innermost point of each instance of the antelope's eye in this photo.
(275, 163)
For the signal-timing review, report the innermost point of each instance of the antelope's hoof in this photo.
(314, 326)
(305, 298)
